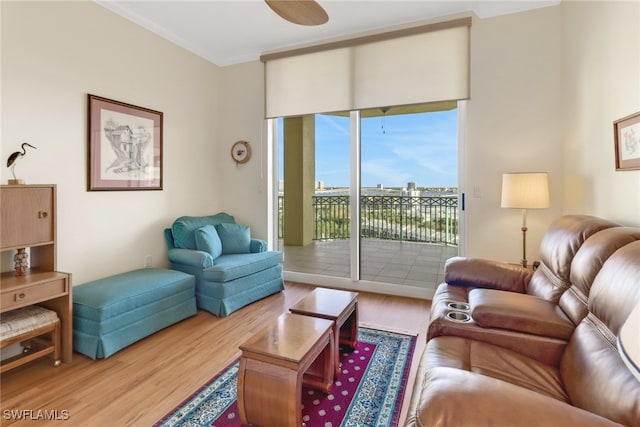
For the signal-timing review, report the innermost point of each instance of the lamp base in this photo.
(523, 263)
(16, 182)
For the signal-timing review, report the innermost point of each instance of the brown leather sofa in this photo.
(530, 311)
(538, 348)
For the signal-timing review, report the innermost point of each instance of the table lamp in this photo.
(629, 342)
(525, 190)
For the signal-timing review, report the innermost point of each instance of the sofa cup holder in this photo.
(459, 306)
(458, 316)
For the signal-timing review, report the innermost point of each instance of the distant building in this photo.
(411, 186)
(410, 192)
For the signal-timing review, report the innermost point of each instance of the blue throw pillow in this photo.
(236, 238)
(207, 240)
(184, 228)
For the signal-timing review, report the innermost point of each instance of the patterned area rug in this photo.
(368, 391)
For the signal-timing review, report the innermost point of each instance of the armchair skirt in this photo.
(237, 281)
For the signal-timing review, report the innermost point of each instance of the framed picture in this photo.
(626, 135)
(125, 146)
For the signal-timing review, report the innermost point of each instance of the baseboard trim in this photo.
(360, 285)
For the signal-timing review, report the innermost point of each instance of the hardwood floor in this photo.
(140, 384)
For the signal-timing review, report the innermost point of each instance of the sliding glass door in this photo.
(314, 201)
(408, 196)
(369, 197)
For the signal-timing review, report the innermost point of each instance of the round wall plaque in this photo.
(241, 152)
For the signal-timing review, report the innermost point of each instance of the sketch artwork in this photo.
(129, 154)
(630, 142)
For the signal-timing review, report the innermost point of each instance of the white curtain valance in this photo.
(413, 67)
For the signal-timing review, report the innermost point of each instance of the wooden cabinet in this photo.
(28, 220)
(27, 216)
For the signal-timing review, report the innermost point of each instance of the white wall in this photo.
(244, 186)
(601, 83)
(513, 125)
(53, 54)
(546, 87)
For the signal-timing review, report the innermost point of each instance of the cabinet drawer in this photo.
(33, 294)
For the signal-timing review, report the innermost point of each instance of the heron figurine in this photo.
(13, 159)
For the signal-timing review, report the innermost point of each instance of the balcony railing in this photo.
(431, 219)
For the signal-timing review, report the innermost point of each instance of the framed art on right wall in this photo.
(626, 136)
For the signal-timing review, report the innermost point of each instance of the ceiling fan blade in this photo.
(303, 12)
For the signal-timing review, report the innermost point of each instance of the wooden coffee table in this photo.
(274, 364)
(341, 307)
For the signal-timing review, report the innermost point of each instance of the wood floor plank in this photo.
(140, 384)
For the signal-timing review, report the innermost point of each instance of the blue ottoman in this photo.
(112, 313)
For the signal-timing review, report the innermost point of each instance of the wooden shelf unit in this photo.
(28, 220)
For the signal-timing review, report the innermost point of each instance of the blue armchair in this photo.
(231, 268)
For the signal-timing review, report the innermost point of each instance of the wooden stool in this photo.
(341, 307)
(276, 361)
(27, 324)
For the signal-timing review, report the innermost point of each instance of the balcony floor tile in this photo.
(385, 261)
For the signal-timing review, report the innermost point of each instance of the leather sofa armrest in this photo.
(454, 397)
(257, 245)
(519, 312)
(198, 259)
(484, 273)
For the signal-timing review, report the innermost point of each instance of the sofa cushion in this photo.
(587, 264)
(491, 308)
(559, 245)
(183, 228)
(594, 374)
(485, 273)
(207, 240)
(452, 397)
(495, 362)
(232, 266)
(236, 238)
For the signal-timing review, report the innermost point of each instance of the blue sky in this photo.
(396, 149)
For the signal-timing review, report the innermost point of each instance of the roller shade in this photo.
(311, 83)
(411, 66)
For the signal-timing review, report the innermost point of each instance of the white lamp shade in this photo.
(629, 342)
(525, 190)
